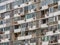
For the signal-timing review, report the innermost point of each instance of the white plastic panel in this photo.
(25, 37)
(49, 33)
(17, 30)
(58, 2)
(44, 7)
(6, 2)
(44, 43)
(21, 21)
(44, 25)
(4, 40)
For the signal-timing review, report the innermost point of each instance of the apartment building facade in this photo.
(29, 22)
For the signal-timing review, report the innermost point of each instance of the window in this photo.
(55, 8)
(6, 21)
(1, 29)
(50, 28)
(2, 7)
(2, 15)
(46, 2)
(43, 21)
(26, 9)
(46, 38)
(30, 15)
(54, 38)
(7, 14)
(15, 11)
(22, 33)
(6, 28)
(55, 1)
(33, 40)
(7, 36)
(1, 22)
(23, 25)
(0, 37)
(18, 3)
(58, 17)
(50, 9)
(58, 7)
(20, 10)
(16, 26)
(26, 1)
(51, 19)
(26, 33)
(7, 6)
(32, 6)
(58, 26)
(3, 1)
(17, 18)
(23, 1)
(6, 43)
(30, 24)
(23, 17)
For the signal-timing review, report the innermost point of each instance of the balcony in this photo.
(24, 37)
(44, 13)
(53, 39)
(52, 42)
(52, 23)
(4, 38)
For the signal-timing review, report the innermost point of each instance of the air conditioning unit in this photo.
(27, 3)
(1, 32)
(0, 40)
(35, 9)
(19, 13)
(18, 5)
(34, 18)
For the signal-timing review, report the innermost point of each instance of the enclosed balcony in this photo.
(54, 39)
(44, 13)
